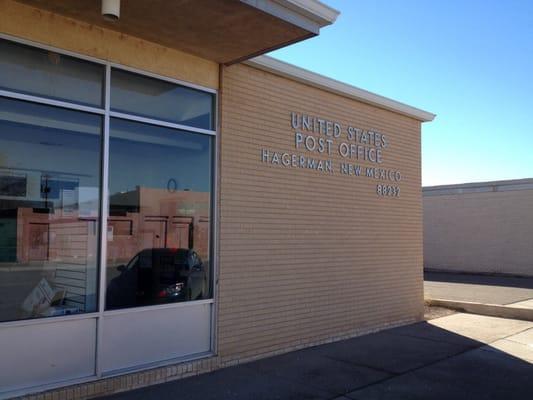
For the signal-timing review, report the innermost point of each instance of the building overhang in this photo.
(225, 31)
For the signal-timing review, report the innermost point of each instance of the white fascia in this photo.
(293, 72)
(310, 15)
(313, 9)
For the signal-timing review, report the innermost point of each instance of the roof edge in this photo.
(479, 187)
(291, 71)
(310, 15)
(313, 9)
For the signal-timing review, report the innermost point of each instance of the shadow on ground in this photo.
(419, 361)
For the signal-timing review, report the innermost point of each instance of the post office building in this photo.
(172, 201)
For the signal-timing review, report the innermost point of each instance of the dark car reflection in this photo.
(157, 276)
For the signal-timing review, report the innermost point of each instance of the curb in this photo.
(493, 274)
(491, 310)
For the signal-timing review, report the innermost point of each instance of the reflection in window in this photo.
(48, 74)
(159, 212)
(49, 196)
(154, 98)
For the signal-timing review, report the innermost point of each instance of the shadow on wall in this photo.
(419, 361)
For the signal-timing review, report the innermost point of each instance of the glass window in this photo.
(48, 74)
(49, 210)
(160, 188)
(158, 99)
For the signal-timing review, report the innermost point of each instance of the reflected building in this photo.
(53, 239)
(157, 218)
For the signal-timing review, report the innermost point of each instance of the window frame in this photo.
(107, 114)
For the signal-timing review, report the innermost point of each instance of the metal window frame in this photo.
(164, 124)
(107, 114)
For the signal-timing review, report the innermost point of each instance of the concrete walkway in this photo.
(477, 288)
(460, 356)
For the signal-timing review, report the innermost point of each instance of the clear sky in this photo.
(468, 61)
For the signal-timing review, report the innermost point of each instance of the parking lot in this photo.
(485, 289)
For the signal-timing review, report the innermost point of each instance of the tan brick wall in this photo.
(307, 256)
(55, 30)
(480, 232)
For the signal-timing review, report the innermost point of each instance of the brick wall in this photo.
(307, 256)
(488, 232)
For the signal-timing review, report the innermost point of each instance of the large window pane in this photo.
(159, 217)
(49, 197)
(154, 98)
(44, 73)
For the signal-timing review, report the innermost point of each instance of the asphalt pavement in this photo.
(477, 288)
(460, 356)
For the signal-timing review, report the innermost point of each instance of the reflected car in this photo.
(158, 276)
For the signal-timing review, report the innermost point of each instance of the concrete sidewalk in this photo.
(460, 356)
(477, 288)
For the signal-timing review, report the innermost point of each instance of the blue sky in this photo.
(468, 61)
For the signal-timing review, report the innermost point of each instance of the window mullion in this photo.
(104, 210)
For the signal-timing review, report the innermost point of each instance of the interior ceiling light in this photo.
(111, 10)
